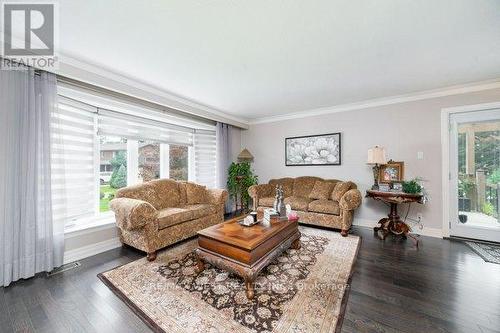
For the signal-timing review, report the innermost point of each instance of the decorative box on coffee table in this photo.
(245, 251)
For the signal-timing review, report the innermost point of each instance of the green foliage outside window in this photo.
(494, 178)
(119, 161)
(120, 178)
(488, 209)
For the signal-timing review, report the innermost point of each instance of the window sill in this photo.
(89, 225)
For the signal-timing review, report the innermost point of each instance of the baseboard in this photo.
(91, 250)
(430, 232)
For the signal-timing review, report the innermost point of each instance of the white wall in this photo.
(403, 129)
(89, 242)
(235, 138)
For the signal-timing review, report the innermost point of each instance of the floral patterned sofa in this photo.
(162, 212)
(324, 202)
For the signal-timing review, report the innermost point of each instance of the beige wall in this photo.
(235, 137)
(403, 129)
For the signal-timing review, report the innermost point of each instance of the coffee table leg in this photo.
(249, 287)
(296, 244)
(200, 265)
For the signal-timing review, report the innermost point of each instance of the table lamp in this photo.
(245, 156)
(376, 157)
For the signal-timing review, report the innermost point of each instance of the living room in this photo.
(285, 166)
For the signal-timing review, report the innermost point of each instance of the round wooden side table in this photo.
(392, 224)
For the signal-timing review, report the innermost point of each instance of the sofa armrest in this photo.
(132, 213)
(260, 191)
(217, 196)
(350, 200)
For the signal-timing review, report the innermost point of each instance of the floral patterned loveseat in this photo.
(162, 212)
(324, 202)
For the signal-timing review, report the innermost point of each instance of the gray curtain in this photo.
(29, 241)
(223, 134)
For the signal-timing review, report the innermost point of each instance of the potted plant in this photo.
(240, 178)
(412, 186)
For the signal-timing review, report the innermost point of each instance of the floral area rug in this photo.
(302, 290)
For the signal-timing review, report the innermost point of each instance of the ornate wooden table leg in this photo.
(200, 265)
(151, 256)
(296, 244)
(381, 224)
(249, 286)
(383, 227)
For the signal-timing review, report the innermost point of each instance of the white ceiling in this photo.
(262, 58)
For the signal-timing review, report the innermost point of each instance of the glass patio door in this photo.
(475, 175)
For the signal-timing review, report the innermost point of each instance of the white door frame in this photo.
(445, 154)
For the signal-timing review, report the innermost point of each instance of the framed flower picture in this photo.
(323, 149)
(391, 172)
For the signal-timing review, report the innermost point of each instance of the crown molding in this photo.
(92, 74)
(422, 95)
(104, 78)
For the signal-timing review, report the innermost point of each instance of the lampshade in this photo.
(245, 156)
(376, 155)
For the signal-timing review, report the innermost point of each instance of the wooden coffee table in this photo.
(245, 251)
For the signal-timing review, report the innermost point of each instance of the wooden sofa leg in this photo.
(151, 256)
(344, 232)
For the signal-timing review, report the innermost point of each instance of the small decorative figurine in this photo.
(276, 199)
(280, 205)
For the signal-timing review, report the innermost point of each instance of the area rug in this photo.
(302, 290)
(489, 252)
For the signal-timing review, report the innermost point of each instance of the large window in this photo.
(149, 160)
(97, 151)
(113, 168)
(154, 161)
(178, 162)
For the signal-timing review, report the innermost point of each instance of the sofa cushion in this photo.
(171, 216)
(302, 186)
(196, 194)
(161, 193)
(321, 190)
(167, 192)
(266, 202)
(287, 184)
(324, 206)
(182, 193)
(298, 203)
(340, 189)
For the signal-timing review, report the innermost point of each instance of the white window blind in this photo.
(73, 157)
(75, 152)
(205, 164)
(138, 128)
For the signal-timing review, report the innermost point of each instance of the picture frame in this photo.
(314, 150)
(391, 172)
(397, 186)
(384, 187)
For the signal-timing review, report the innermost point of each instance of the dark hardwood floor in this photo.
(441, 287)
